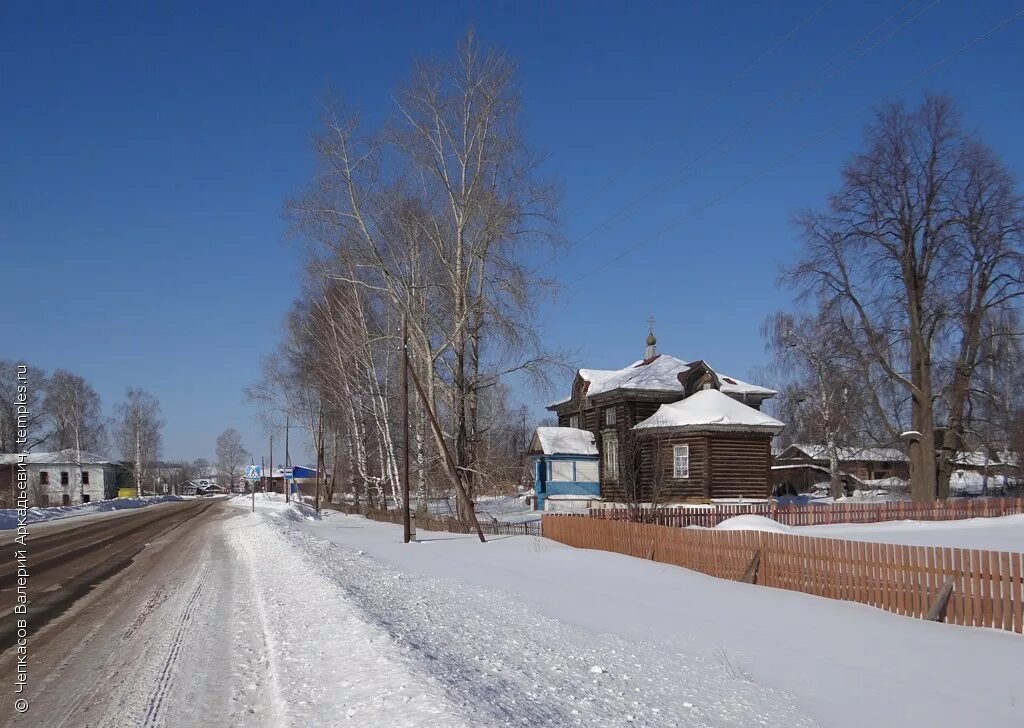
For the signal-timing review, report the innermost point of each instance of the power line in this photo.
(733, 137)
(718, 94)
(782, 160)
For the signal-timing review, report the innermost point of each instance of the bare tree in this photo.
(917, 249)
(426, 222)
(34, 382)
(231, 457)
(820, 398)
(72, 408)
(139, 431)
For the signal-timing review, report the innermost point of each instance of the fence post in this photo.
(750, 575)
(937, 612)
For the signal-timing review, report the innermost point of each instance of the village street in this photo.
(276, 618)
(244, 620)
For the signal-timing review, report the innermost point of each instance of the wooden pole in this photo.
(406, 528)
(319, 456)
(449, 460)
(287, 458)
(271, 483)
(262, 471)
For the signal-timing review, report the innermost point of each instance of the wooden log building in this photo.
(669, 430)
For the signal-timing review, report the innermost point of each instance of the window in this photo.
(611, 457)
(85, 477)
(44, 477)
(574, 420)
(561, 471)
(64, 477)
(586, 471)
(681, 461)
(609, 416)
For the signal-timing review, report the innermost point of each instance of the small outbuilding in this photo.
(565, 464)
(706, 446)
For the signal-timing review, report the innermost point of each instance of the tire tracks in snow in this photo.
(165, 676)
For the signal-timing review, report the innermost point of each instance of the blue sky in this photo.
(146, 153)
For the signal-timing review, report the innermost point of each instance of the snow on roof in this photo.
(867, 454)
(564, 441)
(68, 456)
(661, 373)
(709, 408)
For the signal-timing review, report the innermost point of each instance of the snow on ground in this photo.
(326, 664)
(9, 516)
(525, 631)
(1005, 533)
(496, 656)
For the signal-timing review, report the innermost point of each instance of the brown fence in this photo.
(987, 589)
(441, 523)
(811, 515)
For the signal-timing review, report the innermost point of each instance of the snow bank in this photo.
(752, 523)
(9, 516)
(1005, 533)
(520, 604)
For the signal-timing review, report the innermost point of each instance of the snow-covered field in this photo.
(524, 631)
(9, 516)
(1005, 533)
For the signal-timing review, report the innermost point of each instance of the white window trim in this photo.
(680, 453)
(574, 421)
(610, 457)
(609, 416)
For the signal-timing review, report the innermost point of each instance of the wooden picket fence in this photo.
(812, 515)
(987, 587)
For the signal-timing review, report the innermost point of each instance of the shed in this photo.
(565, 464)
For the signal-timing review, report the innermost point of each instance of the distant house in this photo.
(65, 477)
(565, 464)
(978, 471)
(863, 463)
(669, 430)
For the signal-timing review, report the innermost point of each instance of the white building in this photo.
(67, 477)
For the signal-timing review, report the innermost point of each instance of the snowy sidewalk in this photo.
(498, 660)
(320, 663)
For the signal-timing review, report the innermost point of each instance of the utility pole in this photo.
(263, 469)
(271, 483)
(287, 459)
(406, 526)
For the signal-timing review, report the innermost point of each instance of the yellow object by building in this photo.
(126, 492)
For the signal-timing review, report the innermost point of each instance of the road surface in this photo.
(122, 619)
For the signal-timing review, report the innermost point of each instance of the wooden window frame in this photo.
(610, 457)
(609, 417)
(65, 477)
(680, 452)
(84, 477)
(44, 477)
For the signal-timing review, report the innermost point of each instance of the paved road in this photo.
(117, 626)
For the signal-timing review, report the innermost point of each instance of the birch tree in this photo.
(231, 457)
(139, 432)
(428, 222)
